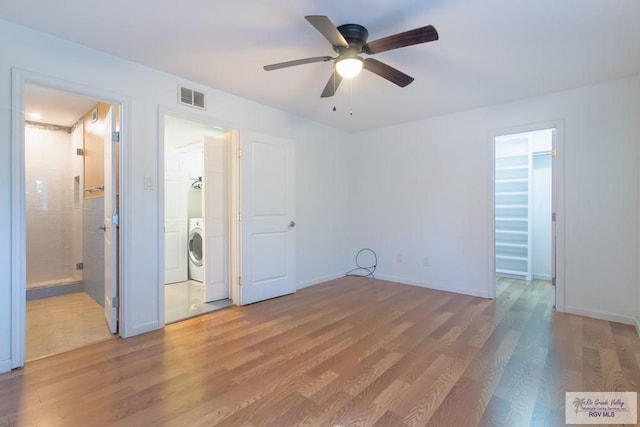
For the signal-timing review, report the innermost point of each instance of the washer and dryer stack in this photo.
(196, 240)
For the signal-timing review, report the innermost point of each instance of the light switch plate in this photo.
(148, 183)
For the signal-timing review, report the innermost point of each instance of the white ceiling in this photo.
(489, 51)
(55, 107)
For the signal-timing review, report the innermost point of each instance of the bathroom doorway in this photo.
(70, 267)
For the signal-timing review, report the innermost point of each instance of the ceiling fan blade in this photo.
(332, 85)
(327, 29)
(407, 38)
(297, 62)
(387, 72)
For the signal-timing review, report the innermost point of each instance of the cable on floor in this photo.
(361, 270)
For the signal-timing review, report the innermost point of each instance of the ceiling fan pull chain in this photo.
(334, 86)
(351, 97)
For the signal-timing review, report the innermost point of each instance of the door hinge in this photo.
(115, 220)
(553, 281)
(239, 152)
(554, 153)
(239, 280)
(115, 136)
(553, 216)
(115, 302)
(239, 217)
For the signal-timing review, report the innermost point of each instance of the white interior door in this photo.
(268, 217)
(111, 226)
(216, 219)
(176, 222)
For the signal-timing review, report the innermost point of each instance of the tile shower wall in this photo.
(93, 248)
(49, 203)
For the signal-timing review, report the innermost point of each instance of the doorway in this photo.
(524, 208)
(69, 170)
(198, 236)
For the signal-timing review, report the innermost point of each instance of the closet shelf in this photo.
(511, 156)
(512, 258)
(512, 206)
(511, 168)
(511, 180)
(524, 233)
(512, 245)
(511, 193)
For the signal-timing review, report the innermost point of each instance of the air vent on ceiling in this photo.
(190, 97)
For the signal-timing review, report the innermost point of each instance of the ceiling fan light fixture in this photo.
(348, 68)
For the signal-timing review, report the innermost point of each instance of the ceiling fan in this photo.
(349, 41)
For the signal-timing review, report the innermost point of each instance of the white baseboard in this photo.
(318, 280)
(481, 293)
(611, 317)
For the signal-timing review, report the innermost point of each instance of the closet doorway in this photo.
(524, 210)
(198, 166)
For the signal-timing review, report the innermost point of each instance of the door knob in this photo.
(292, 224)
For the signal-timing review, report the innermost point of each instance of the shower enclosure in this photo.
(53, 178)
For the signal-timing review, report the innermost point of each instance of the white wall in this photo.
(423, 190)
(321, 167)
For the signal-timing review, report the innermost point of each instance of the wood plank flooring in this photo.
(350, 352)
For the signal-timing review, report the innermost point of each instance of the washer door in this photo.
(195, 246)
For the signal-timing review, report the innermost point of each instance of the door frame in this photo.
(234, 198)
(20, 78)
(557, 202)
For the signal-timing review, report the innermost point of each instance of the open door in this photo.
(216, 218)
(110, 225)
(268, 217)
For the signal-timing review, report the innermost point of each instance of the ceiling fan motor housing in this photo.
(356, 35)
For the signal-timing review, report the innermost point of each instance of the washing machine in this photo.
(196, 253)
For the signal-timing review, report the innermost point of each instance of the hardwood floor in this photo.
(354, 351)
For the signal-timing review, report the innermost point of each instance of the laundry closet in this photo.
(196, 219)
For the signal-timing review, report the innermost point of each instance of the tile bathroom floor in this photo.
(60, 323)
(186, 299)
